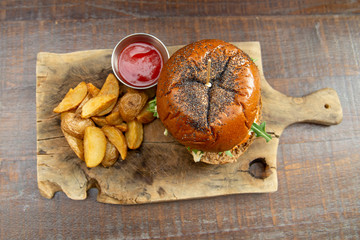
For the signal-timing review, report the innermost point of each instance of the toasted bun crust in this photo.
(215, 118)
(237, 151)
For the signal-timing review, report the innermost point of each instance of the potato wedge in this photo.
(72, 99)
(134, 135)
(74, 125)
(94, 146)
(145, 116)
(107, 110)
(117, 138)
(124, 89)
(116, 107)
(111, 86)
(114, 117)
(76, 144)
(150, 92)
(111, 155)
(94, 91)
(131, 104)
(79, 108)
(100, 121)
(97, 104)
(123, 127)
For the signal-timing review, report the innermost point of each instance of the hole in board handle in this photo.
(258, 168)
(326, 106)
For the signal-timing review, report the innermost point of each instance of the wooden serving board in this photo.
(162, 169)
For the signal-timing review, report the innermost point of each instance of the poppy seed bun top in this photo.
(215, 118)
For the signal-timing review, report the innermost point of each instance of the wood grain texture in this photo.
(318, 194)
(17, 10)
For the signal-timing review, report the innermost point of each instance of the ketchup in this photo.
(140, 64)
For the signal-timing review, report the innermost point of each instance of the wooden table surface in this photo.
(306, 45)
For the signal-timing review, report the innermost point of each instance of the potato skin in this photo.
(131, 105)
(117, 138)
(76, 144)
(150, 92)
(114, 117)
(74, 125)
(111, 155)
(85, 100)
(145, 116)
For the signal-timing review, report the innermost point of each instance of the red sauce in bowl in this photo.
(140, 64)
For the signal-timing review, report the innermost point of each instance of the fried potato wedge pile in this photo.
(102, 124)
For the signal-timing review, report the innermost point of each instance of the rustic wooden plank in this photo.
(17, 10)
(158, 171)
(315, 59)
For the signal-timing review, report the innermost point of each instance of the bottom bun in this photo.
(222, 158)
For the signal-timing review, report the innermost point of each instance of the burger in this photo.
(208, 98)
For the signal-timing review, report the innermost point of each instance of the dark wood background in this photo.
(306, 45)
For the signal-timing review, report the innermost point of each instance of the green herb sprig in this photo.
(228, 152)
(153, 108)
(259, 131)
(194, 150)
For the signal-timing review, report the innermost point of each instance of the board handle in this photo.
(320, 107)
